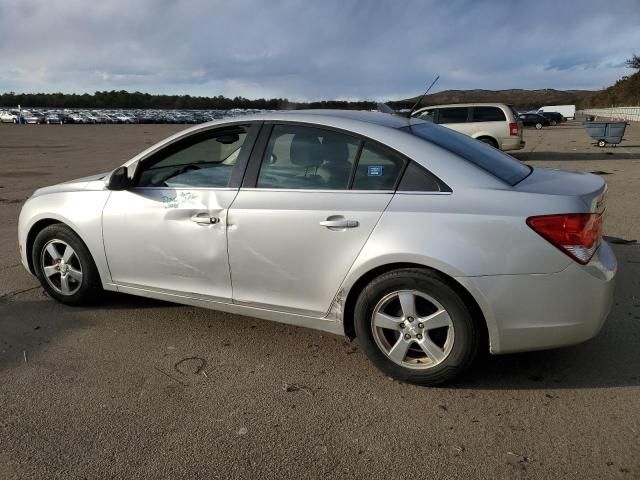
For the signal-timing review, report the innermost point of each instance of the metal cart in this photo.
(606, 133)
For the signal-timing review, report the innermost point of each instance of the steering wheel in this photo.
(176, 172)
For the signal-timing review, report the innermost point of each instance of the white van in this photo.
(494, 123)
(567, 111)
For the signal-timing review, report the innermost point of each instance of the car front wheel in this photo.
(64, 266)
(415, 327)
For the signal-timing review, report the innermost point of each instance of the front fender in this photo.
(80, 210)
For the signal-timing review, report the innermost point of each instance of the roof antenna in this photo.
(414, 108)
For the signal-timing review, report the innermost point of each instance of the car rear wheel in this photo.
(538, 126)
(553, 123)
(64, 266)
(415, 327)
(602, 143)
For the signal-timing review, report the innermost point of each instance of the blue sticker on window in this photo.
(374, 171)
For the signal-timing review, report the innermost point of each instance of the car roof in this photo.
(474, 104)
(351, 120)
(378, 118)
(323, 116)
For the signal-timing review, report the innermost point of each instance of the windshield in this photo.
(490, 159)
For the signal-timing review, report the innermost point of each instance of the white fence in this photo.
(614, 113)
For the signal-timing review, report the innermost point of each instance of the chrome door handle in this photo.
(205, 219)
(340, 223)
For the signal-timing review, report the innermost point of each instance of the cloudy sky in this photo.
(308, 50)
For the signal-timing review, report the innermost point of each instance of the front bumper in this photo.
(540, 311)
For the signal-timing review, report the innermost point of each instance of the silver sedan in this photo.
(426, 245)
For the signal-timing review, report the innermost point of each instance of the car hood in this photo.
(92, 182)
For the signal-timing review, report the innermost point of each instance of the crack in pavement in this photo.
(7, 296)
(10, 266)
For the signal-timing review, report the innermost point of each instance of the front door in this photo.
(305, 211)
(168, 232)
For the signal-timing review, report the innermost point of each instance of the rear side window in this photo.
(378, 169)
(487, 114)
(300, 157)
(417, 179)
(490, 159)
(453, 115)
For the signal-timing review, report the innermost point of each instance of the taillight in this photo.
(578, 235)
(513, 129)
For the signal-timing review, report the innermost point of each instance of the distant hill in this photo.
(624, 93)
(517, 97)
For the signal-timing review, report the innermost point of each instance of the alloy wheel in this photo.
(412, 329)
(61, 267)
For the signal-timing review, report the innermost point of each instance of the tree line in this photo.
(624, 93)
(131, 100)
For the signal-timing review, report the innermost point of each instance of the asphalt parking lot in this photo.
(135, 388)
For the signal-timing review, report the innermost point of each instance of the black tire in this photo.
(602, 143)
(467, 334)
(489, 141)
(89, 289)
(538, 126)
(553, 123)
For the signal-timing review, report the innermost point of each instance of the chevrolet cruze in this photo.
(425, 244)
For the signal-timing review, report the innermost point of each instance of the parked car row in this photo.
(50, 116)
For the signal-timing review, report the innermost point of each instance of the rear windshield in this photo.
(490, 159)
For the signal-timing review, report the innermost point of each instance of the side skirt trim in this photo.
(315, 323)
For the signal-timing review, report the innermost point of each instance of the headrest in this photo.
(335, 149)
(306, 150)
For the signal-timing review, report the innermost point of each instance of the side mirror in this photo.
(119, 179)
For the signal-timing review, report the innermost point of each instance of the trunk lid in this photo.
(591, 189)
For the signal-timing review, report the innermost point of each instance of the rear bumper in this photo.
(540, 311)
(512, 144)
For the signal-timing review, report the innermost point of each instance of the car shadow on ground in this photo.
(612, 359)
(115, 300)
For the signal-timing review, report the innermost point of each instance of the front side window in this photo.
(378, 169)
(453, 115)
(203, 160)
(299, 157)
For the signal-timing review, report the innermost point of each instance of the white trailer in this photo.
(567, 111)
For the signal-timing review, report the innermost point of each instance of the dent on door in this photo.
(169, 239)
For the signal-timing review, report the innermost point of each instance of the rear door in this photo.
(310, 199)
